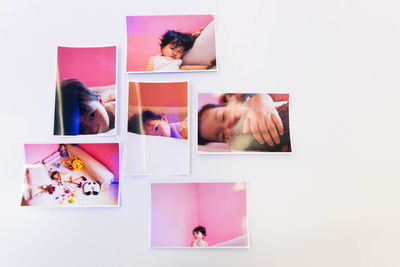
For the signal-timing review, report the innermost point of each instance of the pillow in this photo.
(203, 50)
(96, 170)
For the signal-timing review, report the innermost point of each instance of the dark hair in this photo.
(283, 112)
(177, 38)
(200, 139)
(136, 123)
(72, 100)
(52, 174)
(200, 229)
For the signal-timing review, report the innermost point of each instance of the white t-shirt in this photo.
(162, 63)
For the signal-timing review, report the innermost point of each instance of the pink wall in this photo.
(174, 214)
(144, 32)
(222, 211)
(107, 154)
(177, 208)
(94, 66)
(36, 152)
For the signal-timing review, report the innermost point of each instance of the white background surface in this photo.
(335, 202)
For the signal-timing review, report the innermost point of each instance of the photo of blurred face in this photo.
(198, 235)
(95, 121)
(215, 121)
(172, 51)
(158, 127)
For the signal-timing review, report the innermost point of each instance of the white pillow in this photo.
(203, 51)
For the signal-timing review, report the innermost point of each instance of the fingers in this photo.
(278, 123)
(256, 132)
(273, 132)
(246, 126)
(264, 131)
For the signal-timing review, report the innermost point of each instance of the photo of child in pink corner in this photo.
(243, 123)
(85, 101)
(199, 215)
(171, 43)
(71, 175)
(158, 127)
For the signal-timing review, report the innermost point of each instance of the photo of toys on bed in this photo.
(71, 175)
(158, 132)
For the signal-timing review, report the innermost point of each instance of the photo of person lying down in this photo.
(158, 127)
(67, 175)
(243, 123)
(85, 91)
(202, 220)
(171, 43)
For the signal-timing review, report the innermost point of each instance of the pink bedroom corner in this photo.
(177, 208)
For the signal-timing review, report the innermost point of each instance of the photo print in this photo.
(199, 215)
(71, 175)
(171, 43)
(158, 128)
(243, 123)
(85, 102)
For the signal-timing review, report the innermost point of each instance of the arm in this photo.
(263, 120)
(193, 67)
(149, 64)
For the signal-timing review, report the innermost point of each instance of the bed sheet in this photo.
(67, 195)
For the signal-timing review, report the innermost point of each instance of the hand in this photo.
(197, 33)
(265, 124)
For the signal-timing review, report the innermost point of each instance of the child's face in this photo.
(172, 51)
(198, 235)
(158, 127)
(95, 121)
(215, 121)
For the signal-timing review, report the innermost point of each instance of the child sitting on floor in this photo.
(150, 123)
(61, 177)
(80, 110)
(199, 233)
(173, 47)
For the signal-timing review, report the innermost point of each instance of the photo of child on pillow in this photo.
(173, 47)
(150, 123)
(83, 110)
(247, 122)
(171, 43)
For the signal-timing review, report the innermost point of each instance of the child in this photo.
(81, 111)
(199, 233)
(150, 123)
(232, 123)
(63, 177)
(173, 47)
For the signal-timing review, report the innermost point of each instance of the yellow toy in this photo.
(75, 164)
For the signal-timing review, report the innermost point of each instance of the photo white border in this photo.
(244, 152)
(181, 71)
(116, 122)
(198, 181)
(73, 207)
(189, 132)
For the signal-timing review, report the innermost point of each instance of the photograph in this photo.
(86, 91)
(71, 175)
(158, 128)
(171, 43)
(199, 215)
(243, 123)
